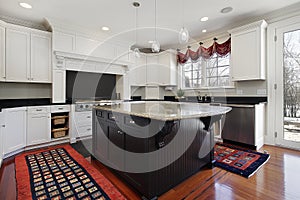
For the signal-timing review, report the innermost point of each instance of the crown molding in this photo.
(21, 22)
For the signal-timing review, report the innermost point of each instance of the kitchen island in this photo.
(154, 145)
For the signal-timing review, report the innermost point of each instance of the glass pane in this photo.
(223, 61)
(187, 67)
(212, 72)
(223, 81)
(196, 82)
(212, 82)
(291, 58)
(223, 71)
(212, 62)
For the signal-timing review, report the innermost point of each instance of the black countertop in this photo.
(10, 103)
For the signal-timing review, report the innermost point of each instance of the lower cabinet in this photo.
(38, 125)
(1, 136)
(14, 132)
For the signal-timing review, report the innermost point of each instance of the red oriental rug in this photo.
(60, 173)
(237, 160)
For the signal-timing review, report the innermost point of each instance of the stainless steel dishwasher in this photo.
(245, 124)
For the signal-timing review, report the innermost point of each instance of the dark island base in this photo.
(109, 126)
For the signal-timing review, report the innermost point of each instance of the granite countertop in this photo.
(161, 110)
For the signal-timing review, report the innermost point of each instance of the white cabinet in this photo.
(2, 51)
(58, 86)
(167, 68)
(81, 124)
(248, 52)
(154, 69)
(41, 57)
(152, 92)
(152, 73)
(63, 41)
(17, 55)
(137, 72)
(38, 125)
(14, 133)
(1, 136)
(28, 55)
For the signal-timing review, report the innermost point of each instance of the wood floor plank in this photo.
(277, 179)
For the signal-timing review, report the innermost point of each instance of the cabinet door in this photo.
(115, 147)
(15, 129)
(167, 68)
(1, 136)
(17, 55)
(137, 73)
(2, 53)
(59, 86)
(152, 70)
(245, 65)
(40, 58)
(38, 128)
(100, 140)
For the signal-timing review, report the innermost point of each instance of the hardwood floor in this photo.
(277, 179)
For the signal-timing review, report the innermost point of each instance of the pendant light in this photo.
(136, 50)
(155, 44)
(183, 35)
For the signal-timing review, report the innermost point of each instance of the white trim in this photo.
(271, 75)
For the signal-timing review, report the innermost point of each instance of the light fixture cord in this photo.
(155, 21)
(136, 23)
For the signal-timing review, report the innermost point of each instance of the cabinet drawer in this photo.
(85, 130)
(38, 109)
(60, 108)
(113, 117)
(135, 121)
(83, 117)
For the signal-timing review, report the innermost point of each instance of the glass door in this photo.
(288, 86)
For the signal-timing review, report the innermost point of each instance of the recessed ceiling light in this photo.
(25, 5)
(204, 19)
(105, 28)
(204, 31)
(226, 10)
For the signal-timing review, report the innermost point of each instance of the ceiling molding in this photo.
(21, 22)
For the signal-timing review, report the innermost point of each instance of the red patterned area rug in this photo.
(237, 160)
(60, 173)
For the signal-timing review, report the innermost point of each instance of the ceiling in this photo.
(119, 15)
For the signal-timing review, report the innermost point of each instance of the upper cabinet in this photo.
(79, 44)
(17, 55)
(248, 52)
(154, 69)
(27, 55)
(2, 51)
(167, 68)
(41, 57)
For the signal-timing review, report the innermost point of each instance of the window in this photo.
(212, 72)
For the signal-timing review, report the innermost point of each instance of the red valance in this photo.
(221, 49)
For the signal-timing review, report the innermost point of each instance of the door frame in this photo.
(270, 137)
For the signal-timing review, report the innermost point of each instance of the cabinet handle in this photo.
(120, 132)
(60, 108)
(113, 117)
(132, 122)
(88, 117)
(38, 110)
(3, 126)
(88, 129)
